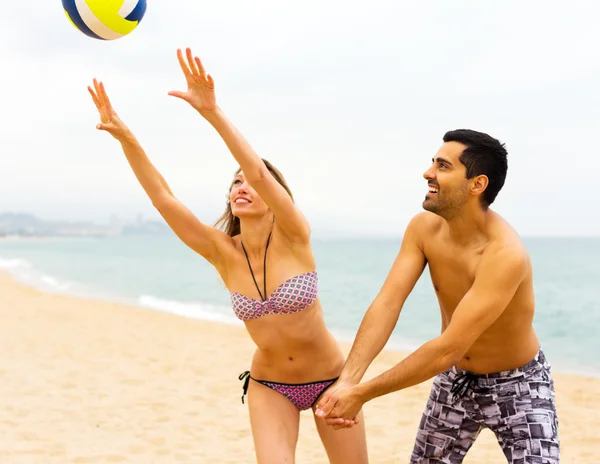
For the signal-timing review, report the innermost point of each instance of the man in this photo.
(488, 367)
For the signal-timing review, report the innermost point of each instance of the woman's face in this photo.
(244, 200)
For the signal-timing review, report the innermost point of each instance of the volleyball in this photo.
(105, 19)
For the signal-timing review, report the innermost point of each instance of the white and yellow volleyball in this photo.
(105, 19)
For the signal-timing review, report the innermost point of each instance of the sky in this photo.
(349, 99)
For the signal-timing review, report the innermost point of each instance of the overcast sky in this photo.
(348, 99)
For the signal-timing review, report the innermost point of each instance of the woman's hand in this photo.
(109, 120)
(201, 87)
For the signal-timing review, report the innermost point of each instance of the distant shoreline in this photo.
(48, 238)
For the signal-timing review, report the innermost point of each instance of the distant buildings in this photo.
(28, 225)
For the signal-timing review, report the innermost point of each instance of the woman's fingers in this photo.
(191, 61)
(101, 94)
(183, 64)
(200, 67)
(94, 97)
(104, 96)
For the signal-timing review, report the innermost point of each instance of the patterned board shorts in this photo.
(517, 405)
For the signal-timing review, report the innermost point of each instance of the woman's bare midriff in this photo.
(294, 348)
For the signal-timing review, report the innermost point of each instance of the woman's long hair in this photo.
(229, 223)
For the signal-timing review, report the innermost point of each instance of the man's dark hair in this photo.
(483, 155)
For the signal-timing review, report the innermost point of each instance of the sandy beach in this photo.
(85, 381)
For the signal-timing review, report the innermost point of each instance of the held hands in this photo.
(201, 87)
(340, 405)
(109, 121)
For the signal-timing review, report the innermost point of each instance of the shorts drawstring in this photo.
(462, 384)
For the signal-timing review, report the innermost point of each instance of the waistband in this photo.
(539, 360)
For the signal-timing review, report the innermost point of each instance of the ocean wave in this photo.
(196, 310)
(14, 264)
(54, 283)
(24, 272)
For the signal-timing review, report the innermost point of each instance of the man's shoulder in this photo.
(422, 227)
(509, 249)
(506, 252)
(425, 222)
(505, 241)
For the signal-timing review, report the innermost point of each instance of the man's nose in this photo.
(429, 174)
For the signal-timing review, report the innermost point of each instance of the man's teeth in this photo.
(433, 190)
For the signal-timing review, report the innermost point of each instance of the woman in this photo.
(264, 257)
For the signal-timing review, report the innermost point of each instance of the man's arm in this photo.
(498, 277)
(382, 316)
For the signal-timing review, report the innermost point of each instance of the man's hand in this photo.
(340, 405)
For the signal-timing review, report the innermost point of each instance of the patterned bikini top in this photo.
(290, 297)
(294, 295)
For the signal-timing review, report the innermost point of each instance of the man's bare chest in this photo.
(453, 271)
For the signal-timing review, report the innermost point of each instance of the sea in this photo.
(160, 273)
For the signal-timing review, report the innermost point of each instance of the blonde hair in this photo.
(229, 223)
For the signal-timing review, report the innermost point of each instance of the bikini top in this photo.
(294, 295)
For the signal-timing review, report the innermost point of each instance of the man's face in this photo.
(447, 182)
